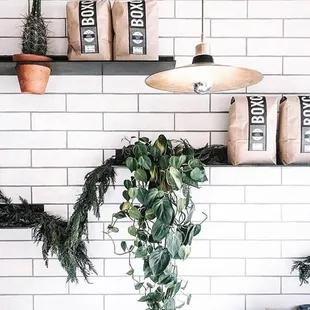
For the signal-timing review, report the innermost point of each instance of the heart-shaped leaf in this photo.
(141, 175)
(145, 162)
(176, 177)
(161, 144)
(139, 149)
(164, 210)
(135, 213)
(159, 260)
(131, 164)
(159, 231)
(184, 251)
(174, 242)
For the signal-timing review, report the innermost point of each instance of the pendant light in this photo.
(203, 75)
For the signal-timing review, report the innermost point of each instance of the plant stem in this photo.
(36, 8)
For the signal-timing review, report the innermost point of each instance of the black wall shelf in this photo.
(61, 66)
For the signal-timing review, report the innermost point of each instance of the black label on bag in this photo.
(137, 27)
(88, 27)
(305, 123)
(257, 107)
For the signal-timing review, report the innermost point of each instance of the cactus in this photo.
(34, 38)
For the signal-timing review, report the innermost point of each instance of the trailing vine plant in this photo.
(158, 203)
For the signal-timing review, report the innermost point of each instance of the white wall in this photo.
(259, 217)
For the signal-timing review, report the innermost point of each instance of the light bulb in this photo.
(203, 87)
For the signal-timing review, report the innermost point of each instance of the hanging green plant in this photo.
(158, 203)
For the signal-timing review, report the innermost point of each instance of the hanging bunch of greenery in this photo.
(158, 203)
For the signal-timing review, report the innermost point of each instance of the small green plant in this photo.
(34, 37)
(158, 203)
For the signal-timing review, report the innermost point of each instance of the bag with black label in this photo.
(89, 27)
(252, 130)
(294, 130)
(135, 25)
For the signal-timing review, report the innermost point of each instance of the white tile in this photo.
(218, 47)
(119, 302)
(213, 9)
(16, 158)
(219, 138)
(218, 194)
(225, 231)
(165, 46)
(277, 194)
(14, 121)
(15, 234)
(296, 212)
(57, 210)
(166, 9)
(67, 194)
(74, 84)
(15, 268)
(278, 9)
(246, 28)
(98, 140)
(201, 121)
(24, 249)
(13, 9)
(66, 158)
(104, 285)
(33, 177)
(245, 285)
(245, 212)
(181, 27)
(268, 267)
(138, 121)
(296, 65)
(66, 121)
(9, 46)
(16, 192)
(16, 302)
(212, 267)
(295, 175)
(258, 302)
(292, 286)
(31, 103)
(102, 103)
(63, 302)
(255, 249)
(173, 102)
(76, 176)
(33, 286)
(26, 140)
(54, 9)
(198, 285)
(297, 28)
(95, 231)
(217, 302)
(278, 47)
(295, 248)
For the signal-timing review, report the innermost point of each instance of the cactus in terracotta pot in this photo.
(33, 68)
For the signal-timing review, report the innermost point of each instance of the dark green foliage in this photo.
(303, 268)
(34, 37)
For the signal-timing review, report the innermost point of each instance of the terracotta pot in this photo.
(33, 72)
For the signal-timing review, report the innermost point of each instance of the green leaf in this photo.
(174, 242)
(149, 214)
(126, 195)
(161, 144)
(181, 203)
(149, 285)
(197, 229)
(164, 210)
(127, 184)
(147, 272)
(151, 196)
(145, 162)
(159, 260)
(138, 285)
(188, 181)
(133, 192)
(189, 298)
(176, 176)
(166, 278)
(198, 175)
(142, 193)
(177, 288)
(125, 206)
(164, 162)
(184, 251)
(141, 175)
(114, 229)
(139, 149)
(131, 164)
(177, 161)
(182, 160)
(132, 230)
(135, 213)
(119, 215)
(130, 272)
(124, 246)
(159, 231)
(195, 163)
(141, 252)
(169, 304)
(155, 152)
(144, 139)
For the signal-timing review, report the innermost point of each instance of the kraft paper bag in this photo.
(135, 25)
(89, 28)
(294, 130)
(252, 130)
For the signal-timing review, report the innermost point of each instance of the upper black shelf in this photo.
(61, 66)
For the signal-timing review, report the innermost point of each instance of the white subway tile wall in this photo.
(258, 217)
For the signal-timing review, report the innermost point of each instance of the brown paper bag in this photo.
(89, 28)
(294, 130)
(135, 25)
(252, 130)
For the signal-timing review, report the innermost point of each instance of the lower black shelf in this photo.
(61, 66)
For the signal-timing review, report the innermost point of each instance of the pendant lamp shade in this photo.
(203, 75)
